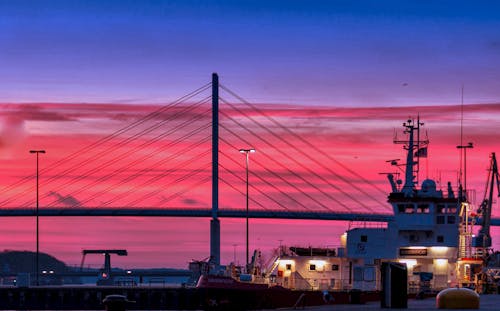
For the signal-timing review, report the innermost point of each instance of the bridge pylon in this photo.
(214, 222)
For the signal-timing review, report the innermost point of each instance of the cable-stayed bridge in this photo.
(183, 160)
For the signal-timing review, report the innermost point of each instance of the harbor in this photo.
(433, 250)
(249, 155)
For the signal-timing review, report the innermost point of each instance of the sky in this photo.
(342, 74)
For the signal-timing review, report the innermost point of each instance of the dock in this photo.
(487, 303)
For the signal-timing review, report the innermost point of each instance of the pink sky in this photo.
(358, 138)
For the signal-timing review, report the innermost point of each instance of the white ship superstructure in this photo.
(424, 235)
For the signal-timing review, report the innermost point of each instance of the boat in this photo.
(429, 236)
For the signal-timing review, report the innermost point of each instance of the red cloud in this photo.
(167, 161)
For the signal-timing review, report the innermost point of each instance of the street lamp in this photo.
(246, 152)
(234, 253)
(37, 236)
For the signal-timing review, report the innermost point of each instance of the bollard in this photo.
(457, 298)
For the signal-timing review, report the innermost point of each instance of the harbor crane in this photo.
(483, 240)
(478, 266)
(488, 280)
(104, 277)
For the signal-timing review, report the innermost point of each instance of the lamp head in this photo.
(251, 150)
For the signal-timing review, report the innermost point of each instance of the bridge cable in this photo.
(56, 178)
(105, 139)
(286, 155)
(135, 149)
(316, 149)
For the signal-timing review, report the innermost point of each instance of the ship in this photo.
(431, 235)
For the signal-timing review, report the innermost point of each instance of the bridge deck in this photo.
(225, 213)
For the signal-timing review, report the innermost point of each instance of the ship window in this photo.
(335, 267)
(401, 208)
(409, 209)
(440, 220)
(358, 274)
(289, 266)
(440, 209)
(452, 209)
(451, 219)
(423, 209)
(440, 239)
(312, 267)
(413, 238)
(364, 238)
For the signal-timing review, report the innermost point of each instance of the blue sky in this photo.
(336, 53)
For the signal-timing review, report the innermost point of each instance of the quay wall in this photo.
(164, 298)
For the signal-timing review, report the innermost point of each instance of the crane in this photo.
(104, 277)
(483, 239)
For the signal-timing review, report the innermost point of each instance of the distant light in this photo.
(44, 271)
(51, 271)
(129, 271)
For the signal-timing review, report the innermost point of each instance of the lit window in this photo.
(423, 209)
(409, 209)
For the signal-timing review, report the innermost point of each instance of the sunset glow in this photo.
(318, 88)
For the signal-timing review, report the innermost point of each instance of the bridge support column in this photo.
(215, 241)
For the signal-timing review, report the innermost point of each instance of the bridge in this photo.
(203, 213)
(183, 160)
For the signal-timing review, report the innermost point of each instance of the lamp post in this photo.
(234, 253)
(37, 236)
(247, 152)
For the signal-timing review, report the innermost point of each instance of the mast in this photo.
(409, 177)
(415, 148)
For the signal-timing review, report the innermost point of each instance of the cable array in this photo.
(322, 187)
(119, 160)
(163, 159)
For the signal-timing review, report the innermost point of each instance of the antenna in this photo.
(460, 174)
(463, 151)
